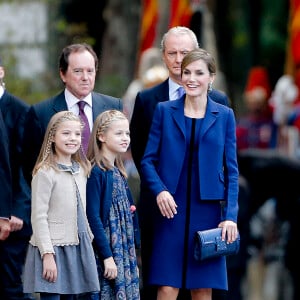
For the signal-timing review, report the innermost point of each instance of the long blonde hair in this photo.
(101, 125)
(47, 153)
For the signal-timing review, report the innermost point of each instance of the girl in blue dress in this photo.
(60, 261)
(110, 208)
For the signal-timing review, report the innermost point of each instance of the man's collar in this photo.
(72, 100)
(1, 91)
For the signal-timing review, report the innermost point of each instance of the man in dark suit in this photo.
(175, 44)
(78, 65)
(13, 249)
(5, 187)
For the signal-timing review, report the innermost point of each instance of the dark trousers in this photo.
(12, 257)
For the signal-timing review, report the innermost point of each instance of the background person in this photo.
(5, 188)
(150, 58)
(256, 127)
(13, 249)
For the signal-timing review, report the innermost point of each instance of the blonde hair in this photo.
(47, 153)
(101, 125)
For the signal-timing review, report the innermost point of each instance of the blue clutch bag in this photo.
(209, 244)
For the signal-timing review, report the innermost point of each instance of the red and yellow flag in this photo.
(181, 13)
(293, 47)
(148, 24)
(295, 30)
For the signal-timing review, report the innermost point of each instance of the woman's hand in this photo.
(166, 204)
(49, 267)
(110, 268)
(229, 231)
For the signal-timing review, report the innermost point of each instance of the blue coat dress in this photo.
(200, 178)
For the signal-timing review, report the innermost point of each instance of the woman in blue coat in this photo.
(190, 166)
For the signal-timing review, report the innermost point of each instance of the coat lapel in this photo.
(178, 114)
(210, 116)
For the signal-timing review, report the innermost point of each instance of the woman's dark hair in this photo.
(198, 54)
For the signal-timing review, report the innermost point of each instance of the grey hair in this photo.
(179, 30)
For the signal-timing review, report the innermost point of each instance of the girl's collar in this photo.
(74, 168)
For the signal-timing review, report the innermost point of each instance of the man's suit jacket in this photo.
(162, 162)
(14, 112)
(5, 174)
(39, 116)
(145, 104)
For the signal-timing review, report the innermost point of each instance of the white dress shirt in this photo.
(73, 106)
(173, 87)
(1, 91)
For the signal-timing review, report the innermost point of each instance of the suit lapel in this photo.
(162, 94)
(5, 103)
(60, 103)
(100, 104)
(97, 105)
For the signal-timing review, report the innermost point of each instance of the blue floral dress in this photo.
(120, 232)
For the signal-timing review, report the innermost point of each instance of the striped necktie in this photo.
(180, 92)
(86, 130)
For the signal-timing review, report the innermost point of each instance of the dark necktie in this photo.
(86, 130)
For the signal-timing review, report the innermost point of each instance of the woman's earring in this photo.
(210, 87)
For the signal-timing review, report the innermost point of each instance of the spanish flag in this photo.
(181, 13)
(293, 51)
(295, 30)
(148, 24)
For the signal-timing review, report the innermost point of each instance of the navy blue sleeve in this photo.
(5, 173)
(95, 192)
